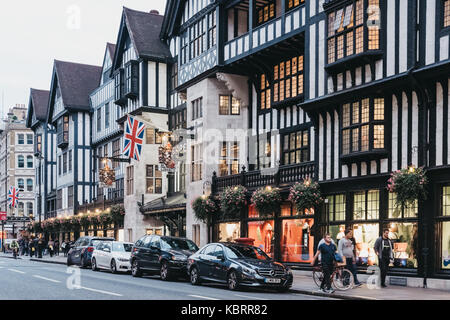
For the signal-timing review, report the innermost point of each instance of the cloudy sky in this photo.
(35, 32)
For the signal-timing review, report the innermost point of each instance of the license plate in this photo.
(268, 280)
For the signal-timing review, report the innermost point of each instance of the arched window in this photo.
(21, 184)
(21, 208)
(29, 161)
(29, 184)
(21, 161)
(29, 208)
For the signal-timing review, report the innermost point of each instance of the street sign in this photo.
(3, 216)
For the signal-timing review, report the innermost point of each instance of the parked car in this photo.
(160, 254)
(81, 251)
(238, 265)
(112, 255)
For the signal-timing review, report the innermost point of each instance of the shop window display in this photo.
(337, 232)
(365, 236)
(229, 232)
(405, 239)
(445, 253)
(264, 235)
(297, 243)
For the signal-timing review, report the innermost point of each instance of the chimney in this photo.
(154, 11)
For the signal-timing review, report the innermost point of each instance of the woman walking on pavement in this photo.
(327, 250)
(51, 245)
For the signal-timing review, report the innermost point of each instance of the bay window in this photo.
(346, 33)
(296, 147)
(363, 126)
(288, 79)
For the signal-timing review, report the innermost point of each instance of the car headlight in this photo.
(248, 271)
(179, 258)
(123, 260)
(288, 270)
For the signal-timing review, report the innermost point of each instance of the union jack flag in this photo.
(133, 138)
(13, 197)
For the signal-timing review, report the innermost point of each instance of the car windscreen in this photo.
(122, 247)
(95, 242)
(180, 244)
(242, 252)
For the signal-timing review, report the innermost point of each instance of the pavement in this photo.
(305, 286)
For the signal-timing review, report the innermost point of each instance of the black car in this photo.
(160, 254)
(80, 252)
(238, 265)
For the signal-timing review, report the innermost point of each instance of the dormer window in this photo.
(347, 35)
(132, 79)
(363, 126)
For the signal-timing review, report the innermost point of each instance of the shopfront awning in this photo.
(175, 203)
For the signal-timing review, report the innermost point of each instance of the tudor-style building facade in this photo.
(45, 158)
(343, 91)
(140, 79)
(68, 115)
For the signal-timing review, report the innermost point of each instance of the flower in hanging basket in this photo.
(305, 195)
(204, 208)
(409, 185)
(232, 200)
(267, 201)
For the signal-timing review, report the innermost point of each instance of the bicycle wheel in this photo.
(318, 277)
(342, 279)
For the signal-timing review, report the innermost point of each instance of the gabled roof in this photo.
(172, 13)
(111, 49)
(76, 81)
(37, 106)
(143, 29)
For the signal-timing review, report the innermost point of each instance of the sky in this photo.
(33, 33)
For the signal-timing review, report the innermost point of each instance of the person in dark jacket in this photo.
(385, 252)
(56, 249)
(327, 251)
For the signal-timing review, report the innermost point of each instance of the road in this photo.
(27, 280)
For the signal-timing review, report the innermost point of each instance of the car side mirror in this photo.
(221, 257)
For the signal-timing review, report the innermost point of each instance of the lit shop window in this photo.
(396, 211)
(445, 244)
(366, 205)
(336, 207)
(264, 235)
(346, 30)
(297, 242)
(228, 232)
(405, 239)
(365, 236)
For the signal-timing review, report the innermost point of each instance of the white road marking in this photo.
(201, 297)
(101, 291)
(256, 298)
(48, 279)
(18, 271)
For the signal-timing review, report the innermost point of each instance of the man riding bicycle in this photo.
(15, 248)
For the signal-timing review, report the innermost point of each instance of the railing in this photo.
(264, 34)
(283, 177)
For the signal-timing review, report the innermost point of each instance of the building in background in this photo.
(17, 168)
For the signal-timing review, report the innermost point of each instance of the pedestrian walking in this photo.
(385, 252)
(15, 248)
(21, 249)
(51, 245)
(56, 249)
(39, 247)
(346, 249)
(327, 251)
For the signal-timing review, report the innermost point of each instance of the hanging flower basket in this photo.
(104, 219)
(85, 221)
(118, 214)
(305, 195)
(204, 208)
(233, 200)
(409, 185)
(267, 201)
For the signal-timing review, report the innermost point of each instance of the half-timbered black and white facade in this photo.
(343, 91)
(69, 115)
(45, 158)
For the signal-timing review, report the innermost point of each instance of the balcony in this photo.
(285, 177)
(271, 32)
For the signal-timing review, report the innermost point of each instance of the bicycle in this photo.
(341, 278)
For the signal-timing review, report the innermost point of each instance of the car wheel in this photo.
(165, 272)
(82, 262)
(194, 276)
(135, 270)
(69, 261)
(232, 281)
(94, 265)
(113, 266)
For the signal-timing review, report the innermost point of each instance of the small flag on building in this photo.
(13, 197)
(133, 138)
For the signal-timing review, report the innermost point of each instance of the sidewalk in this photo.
(46, 258)
(304, 283)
